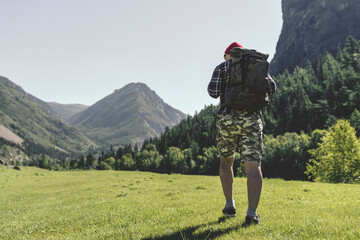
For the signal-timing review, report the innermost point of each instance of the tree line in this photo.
(331, 155)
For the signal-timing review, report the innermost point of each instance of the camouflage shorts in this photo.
(239, 129)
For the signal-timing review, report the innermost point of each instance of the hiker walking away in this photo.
(238, 122)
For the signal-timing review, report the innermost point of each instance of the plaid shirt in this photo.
(220, 80)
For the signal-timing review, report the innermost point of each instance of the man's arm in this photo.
(214, 87)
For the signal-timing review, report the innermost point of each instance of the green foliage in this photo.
(104, 166)
(239, 169)
(45, 163)
(110, 161)
(286, 155)
(337, 159)
(90, 161)
(128, 162)
(355, 121)
(212, 161)
(314, 97)
(81, 163)
(175, 161)
(148, 159)
(315, 138)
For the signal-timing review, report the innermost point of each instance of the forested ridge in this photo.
(308, 101)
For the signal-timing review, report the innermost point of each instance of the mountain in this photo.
(24, 116)
(30, 97)
(129, 115)
(312, 26)
(66, 111)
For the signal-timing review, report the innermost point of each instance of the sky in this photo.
(80, 51)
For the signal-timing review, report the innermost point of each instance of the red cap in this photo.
(234, 44)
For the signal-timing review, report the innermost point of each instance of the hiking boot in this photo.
(230, 211)
(252, 220)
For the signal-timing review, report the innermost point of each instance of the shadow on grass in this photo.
(189, 232)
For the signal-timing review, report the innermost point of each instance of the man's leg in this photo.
(226, 139)
(227, 179)
(254, 185)
(227, 176)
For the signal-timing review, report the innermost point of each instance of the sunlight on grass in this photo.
(41, 204)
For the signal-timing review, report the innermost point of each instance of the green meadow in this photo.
(42, 204)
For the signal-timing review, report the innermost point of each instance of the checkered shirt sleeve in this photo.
(218, 78)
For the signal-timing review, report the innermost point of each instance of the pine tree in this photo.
(89, 161)
(119, 153)
(81, 163)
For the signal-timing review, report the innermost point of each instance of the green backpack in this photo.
(249, 84)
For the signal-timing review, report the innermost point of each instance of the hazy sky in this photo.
(80, 51)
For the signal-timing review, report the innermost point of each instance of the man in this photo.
(238, 128)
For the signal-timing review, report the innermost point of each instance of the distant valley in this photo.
(66, 111)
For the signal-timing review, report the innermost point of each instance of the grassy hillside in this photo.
(35, 125)
(40, 204)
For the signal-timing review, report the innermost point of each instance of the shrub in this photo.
(337, 159)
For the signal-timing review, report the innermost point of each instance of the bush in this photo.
(337, 159)
(104, 166)
(127, 162)
(107, 164)
(45, 163)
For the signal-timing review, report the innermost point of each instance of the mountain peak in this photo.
(132, 112)
(137, 85)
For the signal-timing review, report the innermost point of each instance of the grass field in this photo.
(41, 204)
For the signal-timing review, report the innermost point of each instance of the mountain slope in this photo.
(312, 26)
(34, 124)
(32, 98)
(130, 114)
(66, 111)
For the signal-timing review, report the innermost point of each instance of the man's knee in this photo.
(252, 167)
(226, 163)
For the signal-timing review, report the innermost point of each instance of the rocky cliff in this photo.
(312, 26)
